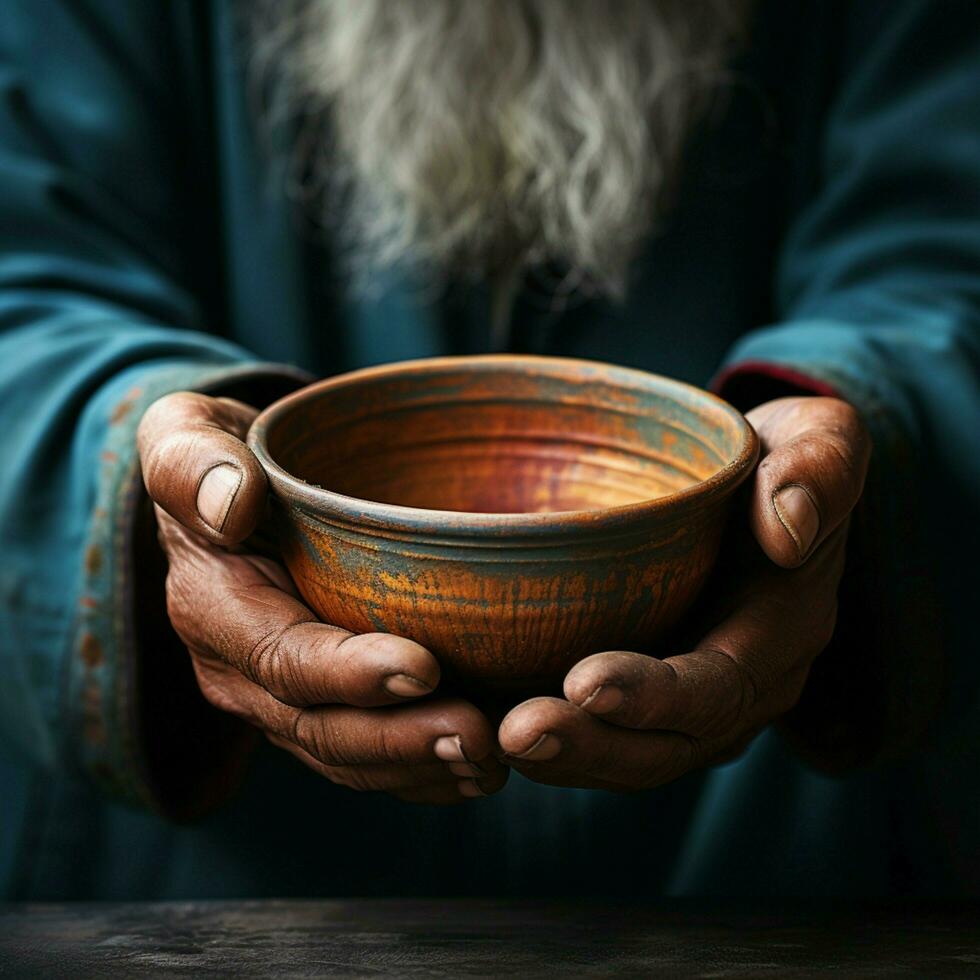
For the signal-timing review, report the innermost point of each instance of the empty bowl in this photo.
(513, 514)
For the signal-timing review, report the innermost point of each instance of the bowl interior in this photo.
(504, 435)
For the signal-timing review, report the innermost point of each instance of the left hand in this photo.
(631, 721)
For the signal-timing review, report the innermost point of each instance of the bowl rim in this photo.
(322, 504)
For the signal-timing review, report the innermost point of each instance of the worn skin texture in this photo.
(365, 711)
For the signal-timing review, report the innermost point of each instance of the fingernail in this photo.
(603, 699)
(466, 769)
(449, 748)
(546, 747)
(216, 494)
(798, 514)
(406, 686)
(470, 788)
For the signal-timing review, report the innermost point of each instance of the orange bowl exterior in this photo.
(513, 514)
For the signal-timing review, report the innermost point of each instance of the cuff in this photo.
(124, 680)
(750, 383)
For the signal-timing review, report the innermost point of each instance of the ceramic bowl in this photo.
(511, 513)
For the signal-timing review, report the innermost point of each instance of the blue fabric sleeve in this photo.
(98, 316)
(879, 292)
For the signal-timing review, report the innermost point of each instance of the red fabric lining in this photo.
(742, 374)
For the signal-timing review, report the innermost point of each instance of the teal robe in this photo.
(825, 237)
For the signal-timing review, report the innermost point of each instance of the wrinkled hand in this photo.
(632, 721)
(339, 702)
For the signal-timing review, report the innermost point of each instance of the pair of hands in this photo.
(363, 710)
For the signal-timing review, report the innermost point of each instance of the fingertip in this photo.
(524, 729)
(366, 670)
(812, 476)
(231, 496)
(405, 686)
(599, 684)
(786, 523)
(406, 668)
(216, 493)
(514, 723)
(796, 510)
(585, 678)
(603, 700)
(461, 727)
(197, 469)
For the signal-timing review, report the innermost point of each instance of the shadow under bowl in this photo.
(511, 513)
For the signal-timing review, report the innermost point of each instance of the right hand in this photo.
(354, 708)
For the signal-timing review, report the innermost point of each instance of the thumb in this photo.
(815, 459)
(197, 467)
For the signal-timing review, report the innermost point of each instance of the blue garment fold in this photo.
(825, 234)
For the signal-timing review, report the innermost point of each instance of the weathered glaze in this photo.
(511, 513)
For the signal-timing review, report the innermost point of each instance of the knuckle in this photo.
(811, 456)
(157, 411)
(751, 686)
(647, 709)
(839, 456)
(261, 659)
(159, 457)
(172, 411)
(844, 443)
(350, 654)
(386, 747)
(835, 450)
(268, 662)
(318, 738)
(850, 422)
(746, 685)
(728, 694)
(179, 596)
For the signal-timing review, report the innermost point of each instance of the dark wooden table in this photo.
(455, 938)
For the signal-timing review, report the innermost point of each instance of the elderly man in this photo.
(784, 198)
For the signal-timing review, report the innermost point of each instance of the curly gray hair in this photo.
(478, 137)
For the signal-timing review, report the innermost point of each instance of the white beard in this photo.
(481, 137)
